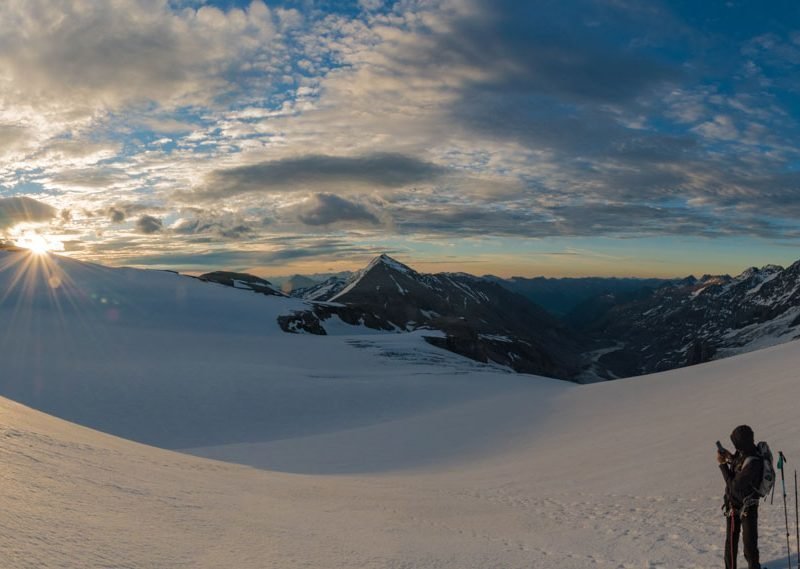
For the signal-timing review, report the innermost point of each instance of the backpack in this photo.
(768, 472)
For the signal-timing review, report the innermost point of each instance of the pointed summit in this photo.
(389, 262)
(375, 274)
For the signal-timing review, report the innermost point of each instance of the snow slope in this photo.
(609, 475)
(174, 361)
(460, 467)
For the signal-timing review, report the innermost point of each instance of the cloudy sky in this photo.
(564, 137)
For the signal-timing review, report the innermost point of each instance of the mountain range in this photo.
(600, 329)
(476, 317)
(697, 320)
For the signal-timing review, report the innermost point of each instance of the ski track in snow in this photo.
(449, 464)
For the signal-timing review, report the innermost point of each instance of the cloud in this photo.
(424, 118)
(109, 54)
(96, 177)
(500, 67)
(70, 67)
(148, 224)
(720, 127)
(370, 4)
(370, 171)
(13, 137)
(327, 209)
(622, 220)
(221, 225)
(116, 215)
(119, 212)
(521, 47)
(86, 151)
(16, 210)
(287, 249)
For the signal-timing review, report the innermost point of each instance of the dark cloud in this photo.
(24, 209)
(631, 219)
(549, 49)
(583, 220)
(472, 220)
(148, 224)
(220, 226)
(116, 215)
(120, 212)
(376, 170)
(293, 248)
(326, 209)
(755, 191)
(571, 133)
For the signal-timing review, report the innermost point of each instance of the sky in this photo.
(557, 138)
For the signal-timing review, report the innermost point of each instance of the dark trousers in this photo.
(748, 525)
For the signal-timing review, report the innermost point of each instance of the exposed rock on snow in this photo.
(242, 281)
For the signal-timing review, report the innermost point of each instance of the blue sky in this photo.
(604, 137)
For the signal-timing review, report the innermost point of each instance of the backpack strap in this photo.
(750, 459)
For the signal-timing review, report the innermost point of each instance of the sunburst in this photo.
(38, 243)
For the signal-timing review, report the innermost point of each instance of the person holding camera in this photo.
(742, 472)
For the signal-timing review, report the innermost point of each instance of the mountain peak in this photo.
(383, 260)
(389, 262)
(765, 272)
(748, 273)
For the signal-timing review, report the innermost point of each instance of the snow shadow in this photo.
(458, 432)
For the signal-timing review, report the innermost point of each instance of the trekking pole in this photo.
(781, 461)
(796, 519)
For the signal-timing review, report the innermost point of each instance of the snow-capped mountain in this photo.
(696, 320)
(296, 282)
(321, 291)
(480, 318)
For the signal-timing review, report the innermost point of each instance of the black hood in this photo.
(742, 438)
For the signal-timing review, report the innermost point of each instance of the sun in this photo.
(38, 243)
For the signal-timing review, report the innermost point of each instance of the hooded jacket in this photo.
(741, 480)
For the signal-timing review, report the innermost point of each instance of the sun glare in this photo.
(37, 243)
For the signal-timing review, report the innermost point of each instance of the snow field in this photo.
(618, 474)
(373, 451)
